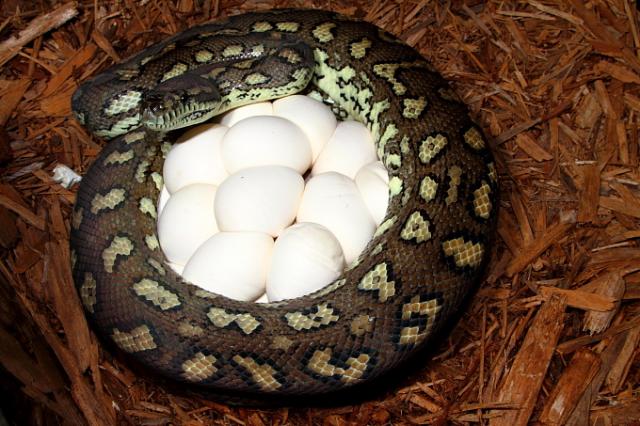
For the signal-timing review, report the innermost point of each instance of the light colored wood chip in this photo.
(619, 72)
(619, 205)
(611, 286)
(26, 214)
(621, 365)
(518, 205)
(532, 148)
(59, 104)
(555, 12)
(528, 253)
(581, 299)
(571, 386)
(105, 45)
(579, 342)
(632, 101)
(524, 379)
(38, 26)
(589, 194)
(82, 57)
(588, 111)
(67, 303)
(425, 403)
(581, 414)
(10, 97)
(603, 99)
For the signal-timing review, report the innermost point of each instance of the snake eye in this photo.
(154, 103)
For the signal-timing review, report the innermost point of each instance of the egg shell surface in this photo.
(196, 158)
(246, 111)
(349, 148)
(332, 199)
(233, 264)
(262, 299)
(314, 118)
(162, 199)
(177, 268)
(187, 221)
(306, 257)
(259, 199)
(263, 141)
(373, 183)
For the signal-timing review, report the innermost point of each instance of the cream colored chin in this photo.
(173, 121)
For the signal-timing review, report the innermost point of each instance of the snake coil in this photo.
(423, 259)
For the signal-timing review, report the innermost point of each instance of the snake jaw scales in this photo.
(425, 257)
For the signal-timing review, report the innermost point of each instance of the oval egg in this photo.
(260, 199)
(187, 221)
(246, 111)
(314, 118)
(163, 197)
(331, 199)
(306, 257)
(233, 264)
(262, 299)
(177, 268)
(349, 148)
(265, 141)
(373, 183)
(196, 158)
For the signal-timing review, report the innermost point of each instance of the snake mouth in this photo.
(170, 108)
(174, 119)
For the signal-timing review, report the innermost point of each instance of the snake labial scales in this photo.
(423, 259)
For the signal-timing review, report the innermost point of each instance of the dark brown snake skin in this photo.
(412, 277)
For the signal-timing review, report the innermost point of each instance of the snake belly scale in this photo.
(423, 259)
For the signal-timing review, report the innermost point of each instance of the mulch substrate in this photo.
(551, 337)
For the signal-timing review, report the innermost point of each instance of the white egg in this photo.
(306, 257)
(234, 264)
(262, 299)
(196, 158)
(314, 118)
(177, 268)
(349, 148)
(260, 199)
(373, 183)
(251, 110)
(187, 221)
(162, 199)
(266, 140)
(333, 200)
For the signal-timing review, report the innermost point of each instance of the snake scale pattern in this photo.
(422, 261)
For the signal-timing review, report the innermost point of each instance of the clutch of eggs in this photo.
(272, 202)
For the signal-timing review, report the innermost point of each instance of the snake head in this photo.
(180, 102)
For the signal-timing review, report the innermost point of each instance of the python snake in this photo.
(422, 261)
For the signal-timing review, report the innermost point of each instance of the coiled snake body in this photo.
(413, 275)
